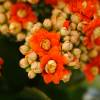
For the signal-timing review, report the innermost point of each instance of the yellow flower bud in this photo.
(36, 67)
(73, 26)
(20, 37)
(28, 26)
(77, 52)
(31, 57)
(31, 74)
(75, 18)
(15, 28)
(23, 63)
(66, 38)
(61, 5)
(67, 46)
(4, 29)
(69, 57)
(24, 49)
(64, 31)
(84, 57)
(36, 27)
(7, 4)
(93, 53)
(47, 23)
(66, 78)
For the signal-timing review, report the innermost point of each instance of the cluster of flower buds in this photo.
(16, 19)
(70, 39)
(1, 63)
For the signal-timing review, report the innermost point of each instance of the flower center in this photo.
(51, 66)
(21, 13)
(46, 44)
(95, 70)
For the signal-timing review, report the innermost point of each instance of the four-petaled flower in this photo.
(90, 39)
(92, 69)
(22, 13)
(42, 41)
(52, 65)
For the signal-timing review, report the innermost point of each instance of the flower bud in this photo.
(7, 4)
(4, 29)
(67, 46)
(66, 38)
(24, 49)
(31, 74)
(23, 63)
(56, 12)
(15, 28)
(36, 67)
(61, 5)
(75, 64)
(74, 39)
(77, 52)
(64, 31)
(80, 26)
(75, 33)
(93, 53)
(75, 18)
(69, 57)
(47, 23)
(84, 57)
(66, 77)
(31, 57)
(28, 26)
(67, 10)
(20, 37)
(36, 27)
(73, 26)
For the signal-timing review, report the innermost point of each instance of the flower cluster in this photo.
(16, 19)
(69, 39)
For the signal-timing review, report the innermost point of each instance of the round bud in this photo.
(67, 46)
(24, 49)
(75, 18)
(47, 23)
(31, 74)
(23, 63)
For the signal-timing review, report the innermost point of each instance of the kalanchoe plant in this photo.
(63, 42)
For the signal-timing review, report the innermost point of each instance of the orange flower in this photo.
(53, 67)
(42, 41)
(88, 29)
(92, 69)
(87, 8)
(22, 12)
